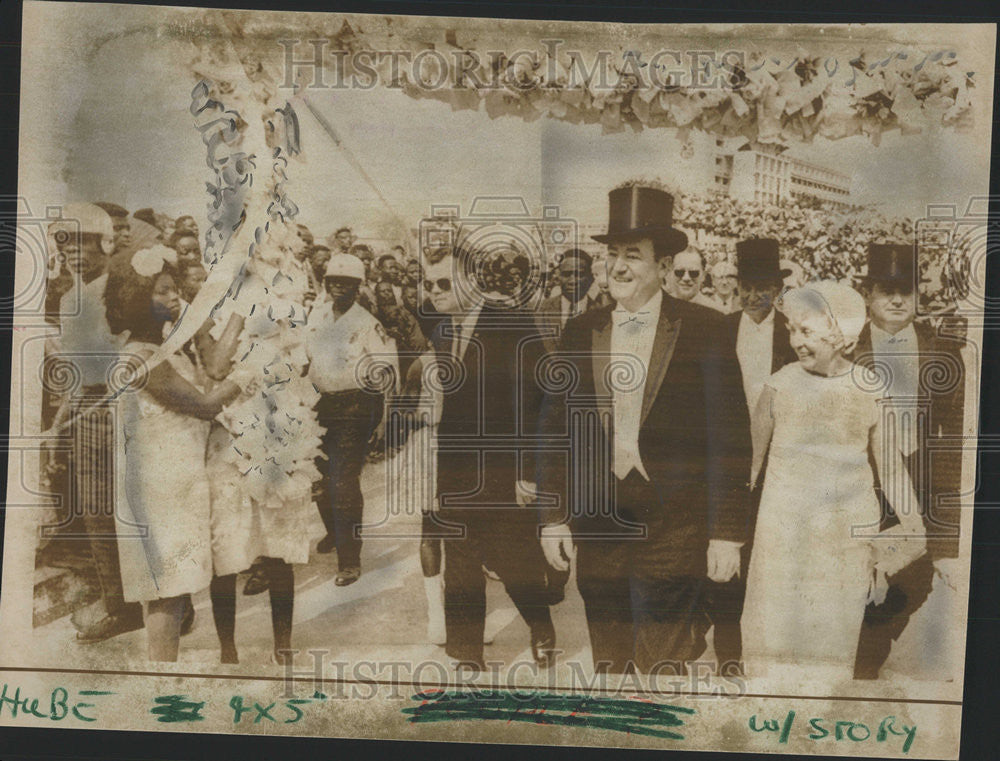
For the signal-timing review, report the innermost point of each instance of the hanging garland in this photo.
(621, 82)
(255, 250)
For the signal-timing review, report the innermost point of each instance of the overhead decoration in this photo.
(606, 77)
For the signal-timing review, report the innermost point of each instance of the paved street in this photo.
(383, 617)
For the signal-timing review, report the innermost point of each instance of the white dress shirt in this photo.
(464, 330)
(85, 334)
(341, 348)
(726, 306)
(632, 333)
(754, 349)
(900, 353)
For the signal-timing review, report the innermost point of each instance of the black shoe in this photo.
(348, 575)
(470, 667)
(258, 581)
(108, 627)
(187, 623)
(229, 655)
(543, 644)
(326, 544)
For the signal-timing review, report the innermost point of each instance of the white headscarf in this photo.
(844, 305)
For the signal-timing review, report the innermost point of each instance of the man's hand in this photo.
(723, 560)
(557, 544)
(526, 493)
(947, 569)
(377, 439)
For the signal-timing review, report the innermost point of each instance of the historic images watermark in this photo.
(522, 69)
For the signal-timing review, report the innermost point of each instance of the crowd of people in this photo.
(822, 241)
(746, 398)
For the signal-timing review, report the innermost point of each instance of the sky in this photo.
(128, 137)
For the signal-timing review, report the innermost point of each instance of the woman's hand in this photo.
(947, 570)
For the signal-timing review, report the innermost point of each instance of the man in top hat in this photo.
(677, 452)
(760, 337)
(761, 342)
(925, 408)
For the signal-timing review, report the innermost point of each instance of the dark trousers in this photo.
(506, 542)
(908, 590)
(350, 418)
(645, 611)
(883, 624)
(724, 603)
(94, 495)
(724, 606)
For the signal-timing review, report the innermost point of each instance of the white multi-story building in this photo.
(814, 181)
(760, 172)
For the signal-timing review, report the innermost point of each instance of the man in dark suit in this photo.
(485, 443)
(575, 279)
(759, 338)
(674, 446)
(926, 392)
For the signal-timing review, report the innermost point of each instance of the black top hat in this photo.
(635, 211)
(892, 263)
(758, 259)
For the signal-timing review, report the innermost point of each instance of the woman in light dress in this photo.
(164, 511)
(245, 533)
(816, 560)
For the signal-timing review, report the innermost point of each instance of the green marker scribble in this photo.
(177, 708)
(632, 716)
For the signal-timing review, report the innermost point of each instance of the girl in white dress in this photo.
(164, 535)
(816, 561)
(246, 534)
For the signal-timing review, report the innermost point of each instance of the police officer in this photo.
(350, 355)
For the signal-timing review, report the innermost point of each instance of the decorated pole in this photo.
(256, 272)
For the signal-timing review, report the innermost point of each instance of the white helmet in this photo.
(84, 218)
(345, 265)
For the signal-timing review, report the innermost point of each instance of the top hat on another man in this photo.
(758, 261)
(639, 211)
(893, 264)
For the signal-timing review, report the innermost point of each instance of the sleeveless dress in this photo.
(164, 536)
(809, 575)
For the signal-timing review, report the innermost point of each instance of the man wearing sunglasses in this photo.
(674, 446)
(684, 277)
(490, 352)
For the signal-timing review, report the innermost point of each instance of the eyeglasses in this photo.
(693, 274)
(442, 283)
